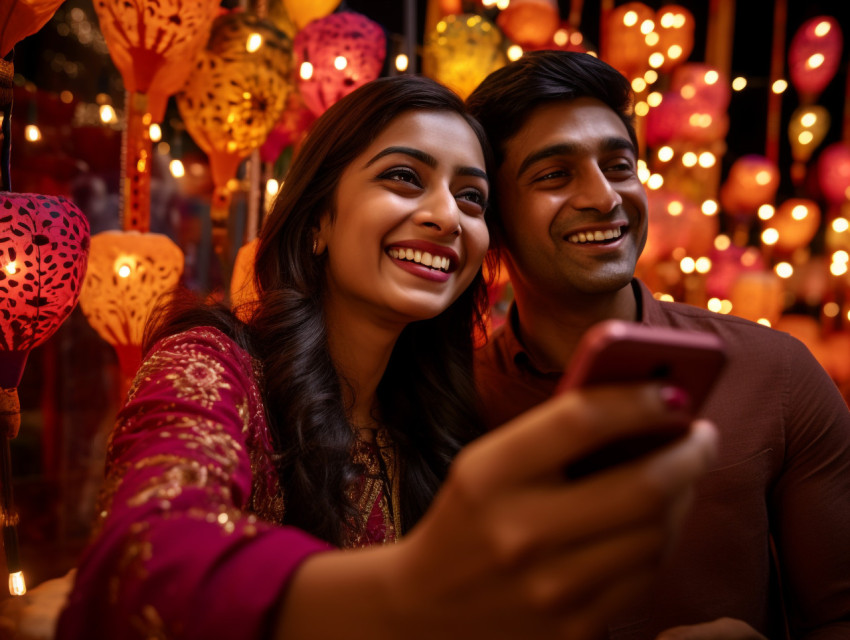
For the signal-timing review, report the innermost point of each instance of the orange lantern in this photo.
(335, 55)
(529, 22)
(758, 296)
(625, 45)
(462, 51)
(235, 95)
(814, 55)
(675, 28)
(242, 289)
(796, 220)
(752, 181)
(128, 272)
(837, 346)
(21, 19)
(152, 43)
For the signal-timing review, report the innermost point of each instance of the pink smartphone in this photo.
(616, 351)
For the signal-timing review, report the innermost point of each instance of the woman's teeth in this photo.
(596, 236)
(421, 257)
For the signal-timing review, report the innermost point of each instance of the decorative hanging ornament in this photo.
(235, 95)
(462, 50)
(335, 55)
(834, 173)
(153, 44)
(814, 56)
(22, 18)
(44, 244)
(796, 221)
(807, 128)
(128, 272)
(752, 181)
(675, 28)
(529, 23)
(303, 12)
(624, 44)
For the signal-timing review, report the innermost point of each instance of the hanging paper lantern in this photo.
(704, 83)
(834, 173)
(752, 181)
(758, 295)
(335, 55)
(671, 216)
(234, 97)
(289, 130)
(44, 244)
(837, 346)
(837, 236)
(303, 12)
(21, 19)
(625, 45)
(529, 22)
(807, 128)
(675, 28)
(727, 265)
(242, 289)
(814, 56)
(796, 220)
(462, 51)
(128, 272)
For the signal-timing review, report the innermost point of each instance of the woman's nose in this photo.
(439, 211)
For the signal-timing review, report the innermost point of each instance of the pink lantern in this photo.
(336, 54)
(702, 82)
(814, 56)
(44, 244)
(834, 173)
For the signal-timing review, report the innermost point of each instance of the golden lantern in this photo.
(806, 130)
(462, 51)
(152, 44)
(235, 95)
(303, 12)
(796, 220)
(758, 296)
(128, 272)
(529, 22)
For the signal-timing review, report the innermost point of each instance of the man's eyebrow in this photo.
(425, 158)
(612, 143)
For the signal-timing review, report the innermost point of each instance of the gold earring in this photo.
(315, 246)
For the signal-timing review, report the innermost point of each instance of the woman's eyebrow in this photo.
(425, 158)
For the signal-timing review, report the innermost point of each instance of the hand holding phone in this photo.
(616, 351)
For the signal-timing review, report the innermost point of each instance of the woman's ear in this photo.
(321, 235)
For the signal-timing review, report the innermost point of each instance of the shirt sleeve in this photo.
(180, 551)
(812, 502)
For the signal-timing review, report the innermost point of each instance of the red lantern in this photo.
(834, 173)
(814, 56)
(529, 22)
(44, 243)
(336, 54)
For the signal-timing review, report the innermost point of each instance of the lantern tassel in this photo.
(10, 420)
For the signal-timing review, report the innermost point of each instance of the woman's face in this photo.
(408, 234)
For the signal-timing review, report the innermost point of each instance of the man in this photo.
(766, 548)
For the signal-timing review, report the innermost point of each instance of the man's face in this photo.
(573, 210)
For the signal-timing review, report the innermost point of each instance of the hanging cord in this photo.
(7, 74)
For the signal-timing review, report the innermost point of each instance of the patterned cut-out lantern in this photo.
(128, 272)
(814, 56)
(44, 243)
(336, 54)
(235, 95)
(152, 43)
(462, 50)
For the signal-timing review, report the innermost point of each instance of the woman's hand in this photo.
(510, 548)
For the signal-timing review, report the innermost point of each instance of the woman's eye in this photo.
(473, 197)
(401, 174)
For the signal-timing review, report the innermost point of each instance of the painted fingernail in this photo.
(675, 398)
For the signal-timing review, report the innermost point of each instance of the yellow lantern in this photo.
(235, 95)
(128, 271)
(303, 12)
(806, 130)
(462, 51)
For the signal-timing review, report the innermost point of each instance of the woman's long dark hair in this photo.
(427, 395)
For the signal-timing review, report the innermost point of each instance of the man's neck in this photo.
(550, 327)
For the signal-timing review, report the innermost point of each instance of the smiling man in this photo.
(766, 548)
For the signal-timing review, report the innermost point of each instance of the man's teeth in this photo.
(596, 236)
(421, 257)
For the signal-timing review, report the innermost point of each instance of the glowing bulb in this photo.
(340, 63)
(800, 212)
(838, 268)
(675, 208)
(769, 236)
(840, 256)
(641, 108)
(709, 207)
(764, 321)
(306, 71)
(656, 180)
(11, 268)
(654, 99)
(707, 159)
(808, 119)
(272, 186)
(714, 304)
(831, 310)
(647, 26)
(711, 77)
(107, 114)
(630, 18)
(815, 61)
(255, 41)
(689, 159)
(17, 584)
(722, 242)
(779, 86)
(687, 265)
(652, 38)
(766, 211)
(739, 83)
(155, 132)
(176, 168)
(703, 265)
(822, 29)
(763, 177)
(650, 76)
(32, 133)
(561, 37)
(401, 62)
(514, 52)
(840, 225)
(665, 154)
(638, 85)
(675, 52)
(124, 271)
(656, 60)
(667, 20)
(784, 270)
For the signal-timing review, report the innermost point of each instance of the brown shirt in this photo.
(782, 476)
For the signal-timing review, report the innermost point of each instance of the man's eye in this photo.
(551, 175)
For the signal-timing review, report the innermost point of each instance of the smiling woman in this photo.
(331, 416)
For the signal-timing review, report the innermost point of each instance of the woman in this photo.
(247, 452)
